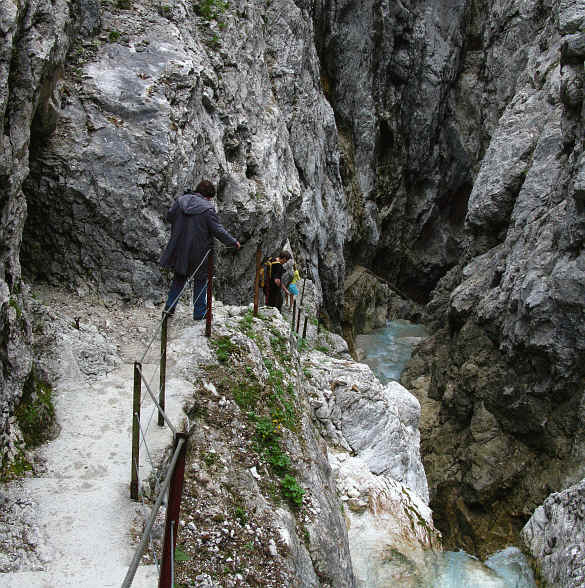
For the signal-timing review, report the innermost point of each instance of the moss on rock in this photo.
(36, 413)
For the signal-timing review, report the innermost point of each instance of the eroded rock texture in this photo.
(503, 379)
(438, 144)
(35, 37)
(555, 536)
(162, 97)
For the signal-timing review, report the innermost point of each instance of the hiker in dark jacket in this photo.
(276, 284)
(194, 224)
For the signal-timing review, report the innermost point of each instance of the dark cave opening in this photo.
(39, 235)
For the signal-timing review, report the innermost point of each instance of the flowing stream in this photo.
(387, 351)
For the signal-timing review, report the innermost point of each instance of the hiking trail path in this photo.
(81, 497)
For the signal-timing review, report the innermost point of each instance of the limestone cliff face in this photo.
(111, 110)
(503, 379)
(35, 40)
(161, 97)
(461, 138)
(440, 145)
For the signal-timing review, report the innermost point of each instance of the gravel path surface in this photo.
(70, 523)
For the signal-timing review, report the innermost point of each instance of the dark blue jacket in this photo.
(194, 224)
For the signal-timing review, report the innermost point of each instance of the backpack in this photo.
(265, 275)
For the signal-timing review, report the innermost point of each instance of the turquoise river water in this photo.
(387, 351)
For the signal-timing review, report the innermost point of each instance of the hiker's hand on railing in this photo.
(238, 245)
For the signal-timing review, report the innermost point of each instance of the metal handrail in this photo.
(145, 536)
(160, 410)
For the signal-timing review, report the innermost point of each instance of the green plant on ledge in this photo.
(36, 414)
(292, 491)
(247, 325)
(180, 554)
(247, 393)
(16, 307)
(210, 9)
(223, 348)
(241, 515)
(15, 468)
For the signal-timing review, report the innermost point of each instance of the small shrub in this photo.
(14, 469)
(210, 9)
(210, 458)
(114, 36)
(292, 491)
(241, 515)
(247, 325)
(266, 432)
(124, 4)
(279, 461)
(16, 307)
(180, 555)
(223, 348)
(284, 413)
(215, 41)
(246, 394)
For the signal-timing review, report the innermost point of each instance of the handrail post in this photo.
(299, 319)
(209, 293)
(305, 327)
(163, 370)
(135, 431)
(318, 321)
(294, 312)
(172, 517)
(257, 280)
(303, 292)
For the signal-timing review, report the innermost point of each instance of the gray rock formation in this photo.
(35, 40)
(555, 536)
(373, 447)
(157, 101)
(110, 110)
(439, 145)
(506, 378)
(378, 424)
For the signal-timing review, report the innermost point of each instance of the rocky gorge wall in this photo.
(111, 110)
(502, 380)
(439, 145)
(461, 138)
(34, 43)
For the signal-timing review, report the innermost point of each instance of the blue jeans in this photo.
(199, 295)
